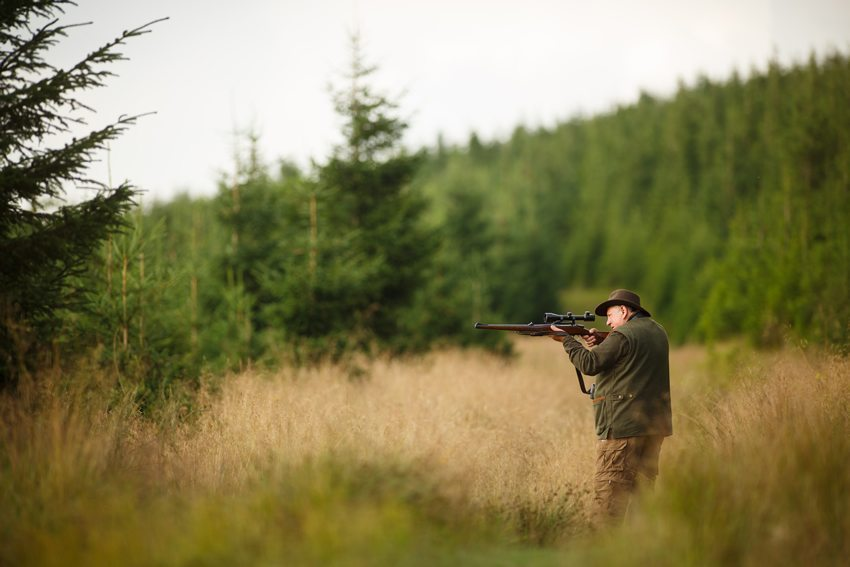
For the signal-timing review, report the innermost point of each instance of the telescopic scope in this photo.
(568, 316)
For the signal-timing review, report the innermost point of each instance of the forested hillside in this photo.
(724, 206)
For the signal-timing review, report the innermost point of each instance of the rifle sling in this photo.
(581, 382)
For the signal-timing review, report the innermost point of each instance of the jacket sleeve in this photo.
(599, 358)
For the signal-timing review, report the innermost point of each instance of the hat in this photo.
(620, 297)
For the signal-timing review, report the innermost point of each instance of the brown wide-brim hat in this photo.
(621, 297)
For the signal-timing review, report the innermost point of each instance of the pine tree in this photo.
(45, 241)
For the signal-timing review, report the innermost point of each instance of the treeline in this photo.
(724, 206)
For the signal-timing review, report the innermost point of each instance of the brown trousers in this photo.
(623, 467)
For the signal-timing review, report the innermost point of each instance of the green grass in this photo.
(328, 513)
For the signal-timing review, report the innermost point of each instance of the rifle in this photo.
(566, 325)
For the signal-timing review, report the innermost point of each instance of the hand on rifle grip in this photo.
(591, 338)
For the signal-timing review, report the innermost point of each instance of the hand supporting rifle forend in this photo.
(556, 325)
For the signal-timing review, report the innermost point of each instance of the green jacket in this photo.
(632, 370)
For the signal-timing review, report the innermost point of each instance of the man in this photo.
(631, 402)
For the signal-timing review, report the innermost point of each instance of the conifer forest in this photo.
(725, 204)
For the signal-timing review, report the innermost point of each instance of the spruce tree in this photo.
(369, 178)
(45, 240)
(357, 256)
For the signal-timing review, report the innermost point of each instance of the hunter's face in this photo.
(617, 315)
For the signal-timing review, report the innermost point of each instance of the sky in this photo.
(455, 67)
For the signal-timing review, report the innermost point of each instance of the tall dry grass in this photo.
(456, 455)
(504, 432)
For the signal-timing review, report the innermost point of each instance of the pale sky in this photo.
(455, 67)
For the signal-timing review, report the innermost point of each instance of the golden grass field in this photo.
(459, 458)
